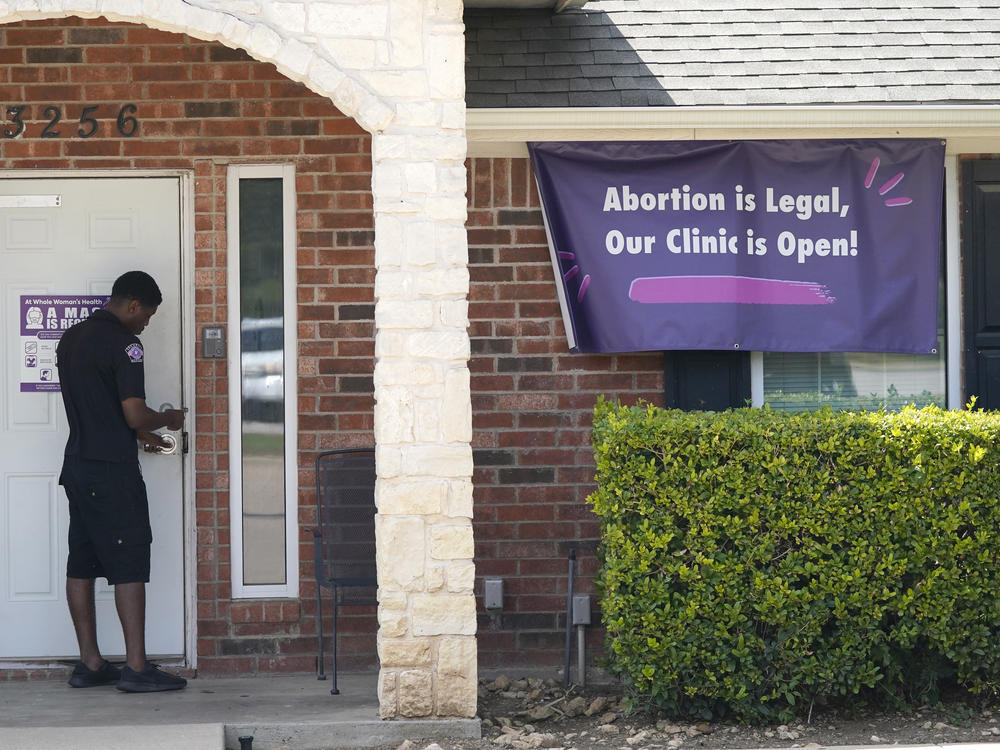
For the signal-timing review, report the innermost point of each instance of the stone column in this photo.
(423, 415)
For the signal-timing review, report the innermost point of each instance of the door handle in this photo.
(171, 444)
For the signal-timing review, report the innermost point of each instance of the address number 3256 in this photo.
(54, 125)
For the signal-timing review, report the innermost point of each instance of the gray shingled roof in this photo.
(636, 53)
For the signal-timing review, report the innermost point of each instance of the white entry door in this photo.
(74, 237)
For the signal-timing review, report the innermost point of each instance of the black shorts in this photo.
(109, 534)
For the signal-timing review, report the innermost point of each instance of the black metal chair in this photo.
(344, 543)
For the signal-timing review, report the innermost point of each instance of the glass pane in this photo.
(262, 365)
(795, 382)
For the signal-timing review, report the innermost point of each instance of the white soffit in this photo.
(504, 131)
(556, 5)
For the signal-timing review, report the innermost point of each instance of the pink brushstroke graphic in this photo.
(571, 273)
(735, 289)
(886, 186)
(563, 255)
(583, 288)
(871, 172)
(890, 184)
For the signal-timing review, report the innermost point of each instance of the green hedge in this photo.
(755, 562)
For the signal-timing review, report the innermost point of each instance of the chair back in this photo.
(345, 495)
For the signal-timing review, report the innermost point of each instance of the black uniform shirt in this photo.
(100, 365)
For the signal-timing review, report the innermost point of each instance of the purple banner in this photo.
(779, 246)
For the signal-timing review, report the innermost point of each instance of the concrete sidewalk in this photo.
(293, 710)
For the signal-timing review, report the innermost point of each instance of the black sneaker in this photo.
(149, 680)
(84, 677)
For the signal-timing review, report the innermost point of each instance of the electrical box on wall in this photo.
(213, 343)
(493, 593)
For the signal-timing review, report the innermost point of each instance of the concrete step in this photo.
(155, 737)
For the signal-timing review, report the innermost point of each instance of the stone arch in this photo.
(282, 40)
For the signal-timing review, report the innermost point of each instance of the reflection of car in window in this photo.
(262, 342)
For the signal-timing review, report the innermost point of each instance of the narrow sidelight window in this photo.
(262, 378)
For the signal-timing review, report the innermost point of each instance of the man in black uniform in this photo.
(100, 363)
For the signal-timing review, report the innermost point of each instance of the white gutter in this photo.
(504, 131)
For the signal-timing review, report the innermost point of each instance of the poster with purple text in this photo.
(44, 319)
(776, 246)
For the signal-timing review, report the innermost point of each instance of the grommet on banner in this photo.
(736, 346)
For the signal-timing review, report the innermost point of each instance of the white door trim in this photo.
(188, 338)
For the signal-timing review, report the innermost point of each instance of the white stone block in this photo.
(391, 344)
(427, 420)
(395, 372)
(443, 282)
(419, 114)
(443, 614)
(399, 652)
(457, 656)
(436, 145)
(347, 19)
(401, 84)
(437, 460)
(446, 208)
(388, 694)
(457, 407)
(453, 244)
(375, 116)
(420, 246)
(460, 503)
(406, 33)
(453, 115)
(389, 239)
(387, 181)
(289, 16)
(435, 579)
(413, 497)
(388, 462)
(207, 21)
(452, 542)
(416, 693)
(327, 76)
(400, 552)
(351, 54)
(445, 55)
(452, 179)
(412, 313)
(392, 601)
(294, 57)
(450, 10)
(461, 576)
(264, 42)
(421, 177)
(454, 313)
(392, 623)
(394, 414)
(453, 345)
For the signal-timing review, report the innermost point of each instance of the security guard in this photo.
(100, 363)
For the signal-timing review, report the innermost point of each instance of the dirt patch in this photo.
(532, 713)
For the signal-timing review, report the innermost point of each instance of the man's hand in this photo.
(152, 442)
(175, 418)
(141, 417)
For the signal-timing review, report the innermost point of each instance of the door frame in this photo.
(186, 196)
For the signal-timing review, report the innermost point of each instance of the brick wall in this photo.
(198, 106)
(532, 411)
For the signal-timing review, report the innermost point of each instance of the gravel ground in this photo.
(532, 713)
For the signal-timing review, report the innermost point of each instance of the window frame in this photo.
(236, 173)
